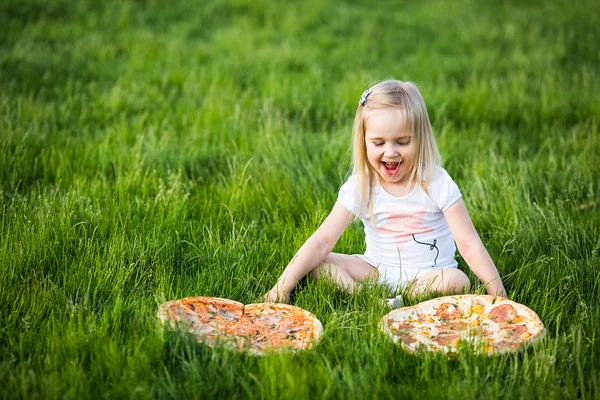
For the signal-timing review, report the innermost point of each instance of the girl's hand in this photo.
(276, 295)
(496, 288)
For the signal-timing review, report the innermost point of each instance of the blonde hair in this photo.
(406, 98)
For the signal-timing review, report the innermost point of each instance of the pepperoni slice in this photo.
(514, 331)
(407, 339)
(445, 339)
(448, 311)
(502, 313)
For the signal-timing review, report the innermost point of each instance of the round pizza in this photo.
(255, 328)
(487, 324)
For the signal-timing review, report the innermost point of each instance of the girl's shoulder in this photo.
(350, 185)
(352, 179)
(349, 195)
(442, 189)
(439, 176)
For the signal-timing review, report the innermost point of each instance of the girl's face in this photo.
(390, 145)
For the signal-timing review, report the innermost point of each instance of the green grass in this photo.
(151, 152)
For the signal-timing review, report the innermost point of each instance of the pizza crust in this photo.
(485, 323)
(254, 328)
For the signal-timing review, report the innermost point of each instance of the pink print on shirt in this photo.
(402, 225)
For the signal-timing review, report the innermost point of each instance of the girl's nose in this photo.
(390, 151)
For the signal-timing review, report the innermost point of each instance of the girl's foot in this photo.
(395, 302)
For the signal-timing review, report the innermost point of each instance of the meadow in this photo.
(151, 151)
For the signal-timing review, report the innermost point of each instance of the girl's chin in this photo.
(393, 178)
(397, 177)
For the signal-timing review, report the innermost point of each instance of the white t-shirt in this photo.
(411, 234)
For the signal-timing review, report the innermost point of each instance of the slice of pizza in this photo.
(200, 310)
(210, 319)
(284, 325)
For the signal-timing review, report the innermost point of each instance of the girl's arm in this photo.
(472, 250)
(312, 253)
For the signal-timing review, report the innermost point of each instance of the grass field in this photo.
(152, 150)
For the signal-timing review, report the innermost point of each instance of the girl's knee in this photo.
(456, 281)
(323, 270)
(444, 281)
(317, 272)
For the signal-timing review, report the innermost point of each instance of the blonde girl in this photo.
(413, 214)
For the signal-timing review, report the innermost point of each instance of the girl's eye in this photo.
(404, 143)
(377, 144)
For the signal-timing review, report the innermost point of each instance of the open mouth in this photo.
(391, 167)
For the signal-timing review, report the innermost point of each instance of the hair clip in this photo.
(363, 98)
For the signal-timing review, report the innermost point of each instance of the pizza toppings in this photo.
(514, 332)
(502, 313)
(256, 328)
(477, 308)
(448, 311)
(445, 339)
(490, 324)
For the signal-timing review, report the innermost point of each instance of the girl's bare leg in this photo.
(344, 270)
(445, 281)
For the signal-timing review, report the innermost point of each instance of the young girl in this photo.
(411, 209)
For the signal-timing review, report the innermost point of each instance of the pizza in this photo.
(255, 328)
(487, 324)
